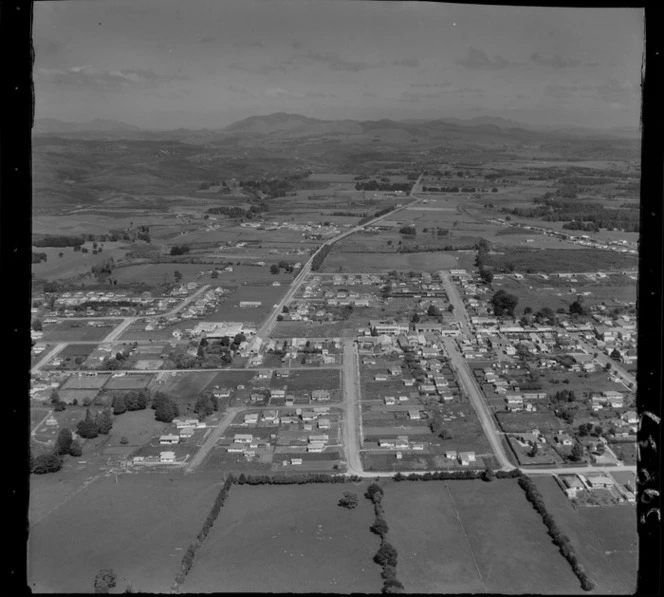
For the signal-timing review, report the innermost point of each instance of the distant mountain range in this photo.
(295, 125)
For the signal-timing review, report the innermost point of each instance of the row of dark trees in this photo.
(130, 401)
(190, 554)
(386, 556)
(374, 185)
(180, 249)
(58, 241)
(458, 475)
(561, 540)
(320, 257)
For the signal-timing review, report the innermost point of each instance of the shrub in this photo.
(124, 440)
(380, 527)
(46, 463)
(349, 500)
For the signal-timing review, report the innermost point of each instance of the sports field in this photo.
(472, 537)
(138, 526)
(289, 539)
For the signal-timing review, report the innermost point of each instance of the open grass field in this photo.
(382, 262)
(472, 537)
(289, 539)
(71, 331)
(76, 350)
(73, 263)
(304, 329)
(139, 526)
(229, 309)
(186, 385)
(593, 531)
(561, 260)
(85, 382)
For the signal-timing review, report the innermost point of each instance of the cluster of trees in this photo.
(579, 213)
(504, 303)
(57, 241)
(274, 187)
(195, 545)
(590, 429)
(561, 540)
(319, 257)
(408, 230)
(483, 247)
(206, 404)
(386, 556)
(91, 427)
(180, 249)
(275, 268)
(130, 401)
(577, 307)
(39, 257)
(45, 463)
(239, 212)
(58, 404)
(103, 268)
(437, 426)
(374, 185)
(165, 408)
(564, 396)
(104, 580)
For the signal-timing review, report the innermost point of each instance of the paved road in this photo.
(297, 282)
(477, 400)
(212, 438)
(352, 415)
(455, 299)
(48, 356)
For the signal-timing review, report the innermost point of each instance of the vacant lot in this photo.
(471, 537)
(229, 308)
(289, 539)
(138, 525)
(85, 382)
(319, 379)
(593, 531)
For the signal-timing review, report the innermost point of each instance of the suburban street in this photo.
(477, 400)
(352, 406)
(212, 438)
(603, 359)
(459, 308)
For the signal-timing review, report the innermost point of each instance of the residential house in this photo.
(169, 438)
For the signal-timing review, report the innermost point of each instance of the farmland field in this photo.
(471, 537)
(593, 531)
(289, 539)
(71, 331)
(137, 525)
(72, 262)
(384, 262)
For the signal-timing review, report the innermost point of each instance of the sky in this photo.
(165, 64)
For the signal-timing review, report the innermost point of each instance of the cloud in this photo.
(611, 91)
(429, 85)
(89, 76)
(479, 60)
(259, 69)
(335, 63)
(409, 62)
(555, 60)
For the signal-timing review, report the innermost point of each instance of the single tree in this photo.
(349, 500)
(577, 452)
(75, 449)
(63, 442)
(104, 421)
(87, 428)
(386, 555)
(105, 578)
(380, 527)
(119, 405)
